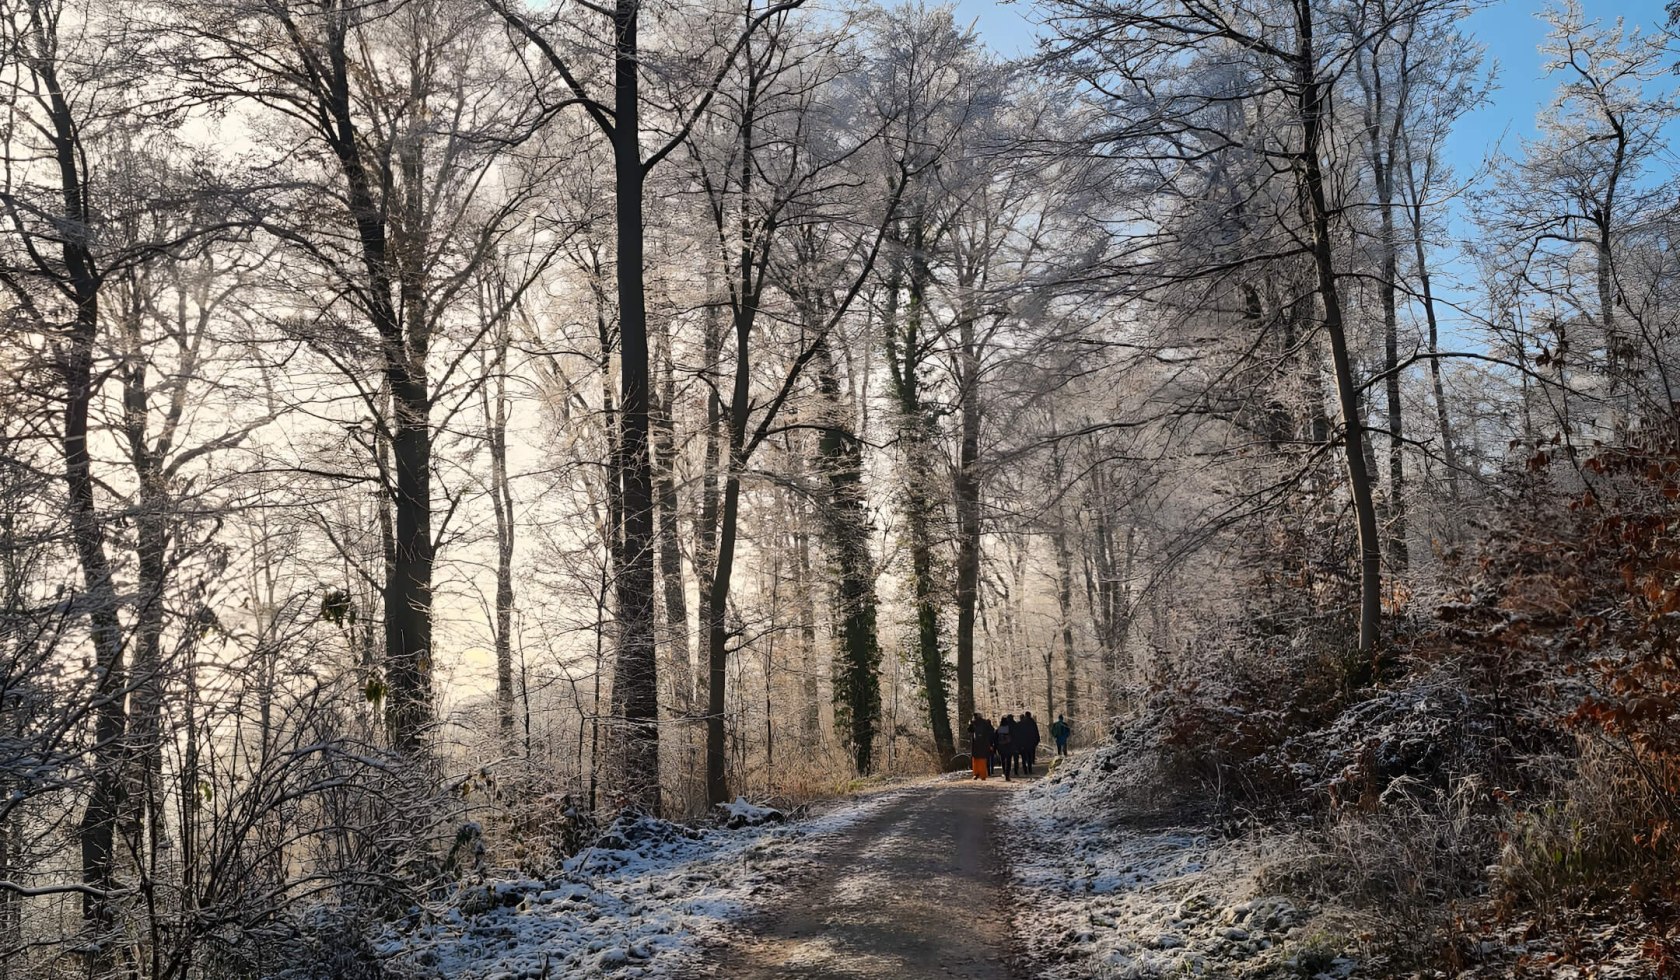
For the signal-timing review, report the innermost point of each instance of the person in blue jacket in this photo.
(1060, 731)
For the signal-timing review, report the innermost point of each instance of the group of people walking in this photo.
(1011, 743)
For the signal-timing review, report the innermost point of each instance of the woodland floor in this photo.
(916, 890)
(1103, 879)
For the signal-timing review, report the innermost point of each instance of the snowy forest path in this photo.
(916, 890)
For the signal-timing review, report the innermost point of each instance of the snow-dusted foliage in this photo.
(640, 902)
(1108, 889)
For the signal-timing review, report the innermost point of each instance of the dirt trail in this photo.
(914, 891)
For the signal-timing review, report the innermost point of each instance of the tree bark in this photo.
(705, 544)
(810, 699)
(966, 491)
(408, 575)
(717, 630)
(1312, 110)
(670, 546)
(905, 356)
(501, 499)
(80, 279)
(857, 664)
(1443, 422)
(1398, 549)
(1383, 138)
(151, 520)
(1064, 580)
(636, 671)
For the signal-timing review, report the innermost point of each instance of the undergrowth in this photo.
(1500, 784)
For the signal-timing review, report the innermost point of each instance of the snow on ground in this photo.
(638, 904)
(1105, 890)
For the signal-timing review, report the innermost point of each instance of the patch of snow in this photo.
(640, 903)
(1103, 893)
(743, 814)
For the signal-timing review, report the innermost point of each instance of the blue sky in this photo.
(1510, 30)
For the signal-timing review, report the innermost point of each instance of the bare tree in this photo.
(55, 273)
(785, 154)
(415, 201)
(635, 688)
(1283, 60)
(1580, 199)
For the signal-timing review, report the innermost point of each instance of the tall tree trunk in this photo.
(670, 546)
(635, 678)
(1619, 351)
(408, 573)
(810, 700)
(1312, 112)
(1108, 584)
(717, 607)
(966, 490)
(705, 534)
(905, 343)
(1426, 295)
(1443, 416)
(501, 499)
(408, 585)
(80, 279)
(1398, 550)
(1049, 683)
(408, 601)
(145, 729)
(636, 672)
(1064, 605)
(1064, 582)
(744, 309)
(143, 818)
(857, 663)
(1383, 138)
(12, 600)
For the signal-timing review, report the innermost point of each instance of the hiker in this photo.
(1006, 744)
(1028, 738)
(1059, 731)
(980, 745)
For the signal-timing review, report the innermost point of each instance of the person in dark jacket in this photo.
(980, 735)
(1006, 744)
(1027, 736)
(1060, 731)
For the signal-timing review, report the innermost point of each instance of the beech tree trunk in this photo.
(966, 491)
(1426, 295)
(1398, 550)
(79, 279)
(501, 501)
(670, 545)
(636, 671)
(905, 356)
(857, 662)
(711, 501)
(1064, 580)
(810, 698)
(1383, 138)
(394, 283)
(1312, 110)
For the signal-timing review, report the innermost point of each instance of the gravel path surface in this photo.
(915, 890)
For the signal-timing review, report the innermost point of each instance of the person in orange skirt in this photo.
(980, 734)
